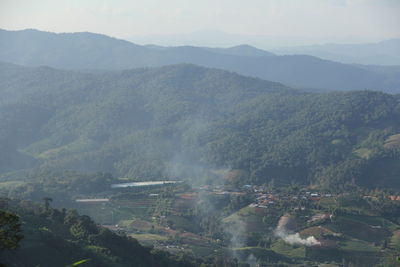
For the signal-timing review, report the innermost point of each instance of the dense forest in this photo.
(186, 122)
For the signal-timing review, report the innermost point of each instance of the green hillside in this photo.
(54, 237)
(184, 121)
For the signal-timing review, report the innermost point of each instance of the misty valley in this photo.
(117, 154)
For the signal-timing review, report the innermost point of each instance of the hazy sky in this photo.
(373, 19)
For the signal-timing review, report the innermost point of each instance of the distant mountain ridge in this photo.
(95, 51)
(382, 53)
(241, 50)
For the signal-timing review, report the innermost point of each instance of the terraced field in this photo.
(393, 141)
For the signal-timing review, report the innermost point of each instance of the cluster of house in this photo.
(396, 198)
(264, 199)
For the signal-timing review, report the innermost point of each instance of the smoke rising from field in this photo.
(236, 232)
(251, 260)
(295, 239)
(283, 231)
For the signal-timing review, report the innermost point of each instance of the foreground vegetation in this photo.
(60, 237)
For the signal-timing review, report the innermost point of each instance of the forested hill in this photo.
(95, 51)
(185, 121)
(53, 237)
(110, 120)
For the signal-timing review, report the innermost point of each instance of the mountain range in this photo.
(88, 51)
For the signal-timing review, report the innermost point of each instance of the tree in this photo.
(47, 201)
(10, 231)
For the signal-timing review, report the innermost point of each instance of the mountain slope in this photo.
(61, 237)
(185, 121)
(94, 51)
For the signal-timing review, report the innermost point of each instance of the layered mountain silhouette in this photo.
(89, 51)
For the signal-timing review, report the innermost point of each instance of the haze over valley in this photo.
(204, 149)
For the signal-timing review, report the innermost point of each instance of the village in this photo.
(150, 203)
(170, 216)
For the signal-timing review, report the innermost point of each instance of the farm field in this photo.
(165, 220)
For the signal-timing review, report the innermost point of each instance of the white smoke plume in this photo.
(293, 239)
(251, 260)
